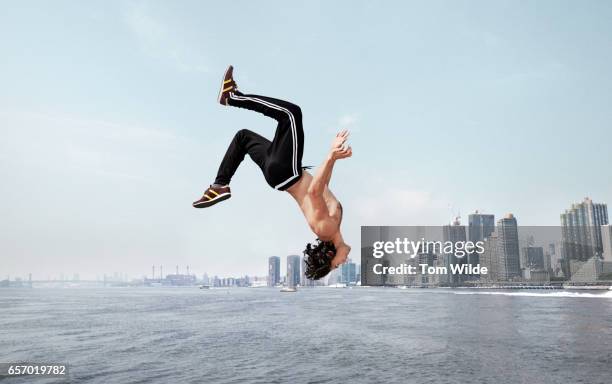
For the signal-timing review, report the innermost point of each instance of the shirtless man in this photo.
(281, 163)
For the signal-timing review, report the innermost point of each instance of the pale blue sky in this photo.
(110, 127)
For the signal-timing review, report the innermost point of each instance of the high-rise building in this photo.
(585, 271)
(509, 267)
(606, 240)
(293, 270)
(534, 257)
(273, 271)
(454, 232)
(348, 272)
(429, 259)
(489, 259)
(581, 230)
(480, 227)
(304, 281)
(553, 259)
(557, 264)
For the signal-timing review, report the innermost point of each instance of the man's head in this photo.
(318, 258)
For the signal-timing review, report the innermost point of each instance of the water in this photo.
(323, 335)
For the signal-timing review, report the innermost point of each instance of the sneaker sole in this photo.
(208, 203)
(223, 85)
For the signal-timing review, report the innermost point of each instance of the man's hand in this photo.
(340, 139)
(339, 149)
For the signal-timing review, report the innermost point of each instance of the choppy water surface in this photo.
(322, 335)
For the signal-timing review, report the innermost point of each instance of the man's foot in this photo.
(228, 85)
(212, 196)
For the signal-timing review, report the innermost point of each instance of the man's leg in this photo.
(287, 147)
(244, 142)
(284, 156)
(279, 110)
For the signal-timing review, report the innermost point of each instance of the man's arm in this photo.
(323, 175)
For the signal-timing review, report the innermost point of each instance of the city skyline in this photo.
(478, 229)
(579, 250)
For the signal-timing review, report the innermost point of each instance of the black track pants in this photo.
(280, 160)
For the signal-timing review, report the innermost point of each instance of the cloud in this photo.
(348, 121)
(161, 42)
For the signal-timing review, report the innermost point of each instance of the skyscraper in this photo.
(349, 272)
(508, 248)
(293, 270)
(480, 227)
(534, 257)
(454, 232)
(273, 271)
(581, 230)
(606, 239)
(490, 259)
(304, 281)
(553, 259)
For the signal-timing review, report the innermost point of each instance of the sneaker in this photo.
(212, 196)
(228, 85)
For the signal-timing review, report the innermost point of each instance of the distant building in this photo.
(554, 259)
(561, 267)
(304, 281)
(490, 259)
(480, 226)
(581, 230)
(348, 272)
(423, 279)
(606, 240)
(535, 264)
(293, 270)
(273, 271)
(508, 248)
(180, 279)
(534, 257)
(547, 262)
(334, 277)
(453, 232)
(552, 250)
(606, 267)
(368, 237)
(536, 275)
(585, 271)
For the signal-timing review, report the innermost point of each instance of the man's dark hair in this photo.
(318, 259)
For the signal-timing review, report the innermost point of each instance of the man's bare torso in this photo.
(323, 213)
